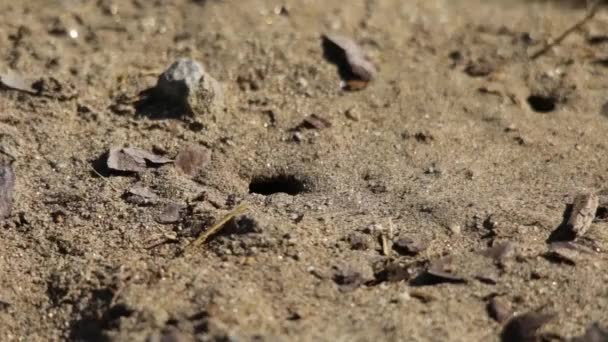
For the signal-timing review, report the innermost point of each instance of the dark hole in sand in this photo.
(268, 185)
(542, 104)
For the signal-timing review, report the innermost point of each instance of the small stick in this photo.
(591, 12)
(385, 249)
(105, 179)
(217, 227)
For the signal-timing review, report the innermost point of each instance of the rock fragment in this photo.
(313, 121)
(499, 251)
(582, 214)
(141, 195)
(187, 83)
(594, 333)
(568, 252)
(440, 271)
(13, 81)
(354, 67)
(499, 309)
(524, 328)
(407, 246)
(171, 213)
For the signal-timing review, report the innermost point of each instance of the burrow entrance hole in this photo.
(282, 183)
(542, 104)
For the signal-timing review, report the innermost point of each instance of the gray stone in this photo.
(187, 82)
(180, 79)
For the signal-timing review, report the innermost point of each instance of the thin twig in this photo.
(591, 12)
(105, 179)
(385, 249)
(216, 227)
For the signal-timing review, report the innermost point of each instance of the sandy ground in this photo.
(461, 143)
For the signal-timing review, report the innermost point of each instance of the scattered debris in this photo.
(348, 278)
(4, 305)
(591, 12)
(500, 251)
(313, 121)
(352, 114)
(499, 309)
(53, 88)
(187, 83)
(13, 81)
(7, 185)
(353, 65)
(567, 252)
(422, 296)
(141, 195)
(407, 246)
(217, 227)
(192, 158)
(392, 271)
(594, 333)
(171, 213)
(455, 229)
(169, 237)
(440, 272)
(479, 68)
(131, 159)
(524, 328)
(582, 214)
(358, 241)
(604, 110)
(386, 250)
(46, 86)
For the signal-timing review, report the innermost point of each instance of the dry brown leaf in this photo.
(192, 158)
(131, 159)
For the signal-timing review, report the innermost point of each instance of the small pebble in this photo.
(187, 82)
(180, 79)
